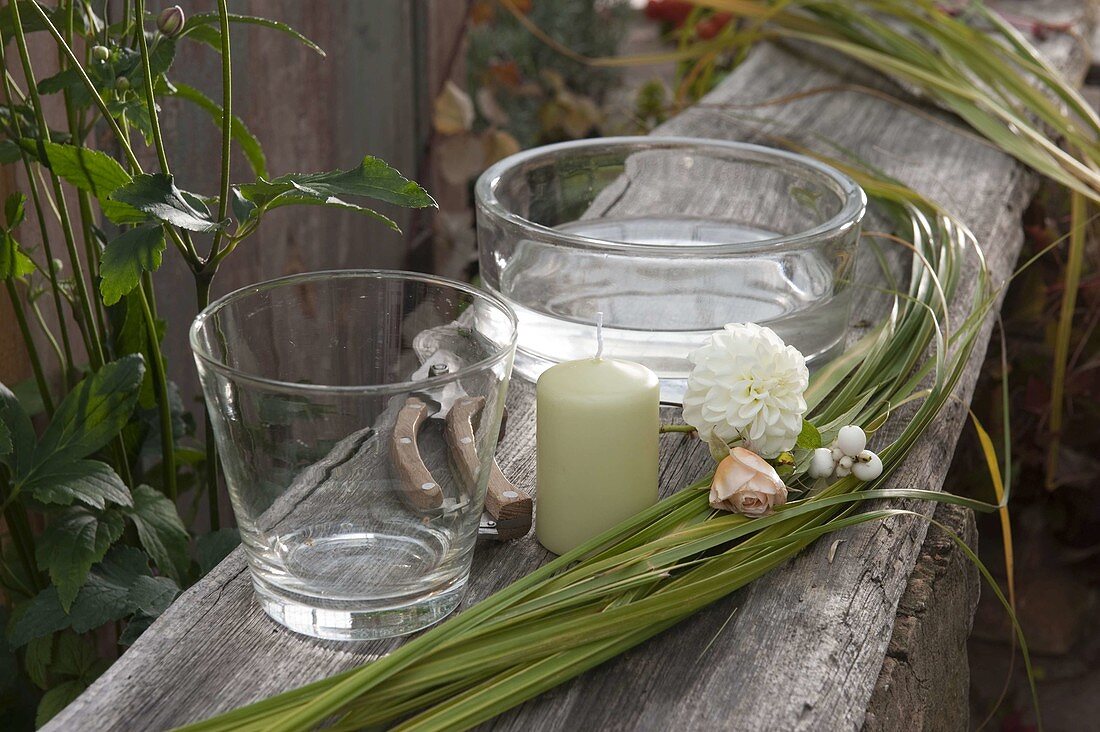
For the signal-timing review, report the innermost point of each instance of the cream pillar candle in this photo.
(597, 435)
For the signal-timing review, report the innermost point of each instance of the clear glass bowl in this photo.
(356, 415)
(670, 238)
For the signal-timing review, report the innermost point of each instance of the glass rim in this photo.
(201, 352)
(854, 199)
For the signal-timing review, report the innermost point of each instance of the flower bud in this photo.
(821, 464)
(171, 20)
(101, 53)
(122, 84)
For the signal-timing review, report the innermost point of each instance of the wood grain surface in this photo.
(801, 648)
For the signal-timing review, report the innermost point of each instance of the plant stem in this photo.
(160, 385)
(227, 127)
(95, 352)
(210, 465)
(1074, 265)
(45, 328)
(182, 243)
(87, 220)
(686, 428)
(67, 364)
(91, 251)
(150, 99)
(205, 278)
(15, 516)
(32, 351)
(76, 66)
(154, 122)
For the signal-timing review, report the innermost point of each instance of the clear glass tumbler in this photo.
(670, 238)
(356, 414)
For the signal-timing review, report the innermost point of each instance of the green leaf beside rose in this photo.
(809, 438)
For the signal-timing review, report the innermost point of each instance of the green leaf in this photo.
(150, 449)
(13, 262)
(5, 440)
(809, 438)
(373, 178)
(126, 257)
(161, 55)
(76, 658)
(250, 146)
(211, 35)
(89, 170)
(56, 699)
(26, 391)
(208, 34)
(161, 531)
(75, 540)
(92, 413)
(69, 81)
(332, 202)
(88, 481)
(131, 336)
(36, 660)
(31, 22)
(15, 209)
(212, 548)
(133, 110)
(85, 21)
(134, 628)
(152, 595)
(103, 598)
(20, 433)
(41, 615)
(157, 195)
(98, 174)
(62, 80)
(106, 595)
(9, 152)
(242, 207)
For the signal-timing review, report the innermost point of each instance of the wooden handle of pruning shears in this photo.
(503, 501)
(417, 484)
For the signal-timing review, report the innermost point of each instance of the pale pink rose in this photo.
(745, 483)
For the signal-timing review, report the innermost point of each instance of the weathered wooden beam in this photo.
(803, 647)
(925, 679)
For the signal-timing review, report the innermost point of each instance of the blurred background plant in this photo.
(1055, 508)
(508, 92)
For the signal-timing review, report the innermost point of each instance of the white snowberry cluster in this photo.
(848, 455)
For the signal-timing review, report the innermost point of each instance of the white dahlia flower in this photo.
(747, 386)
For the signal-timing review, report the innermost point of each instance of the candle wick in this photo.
(599, 334)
